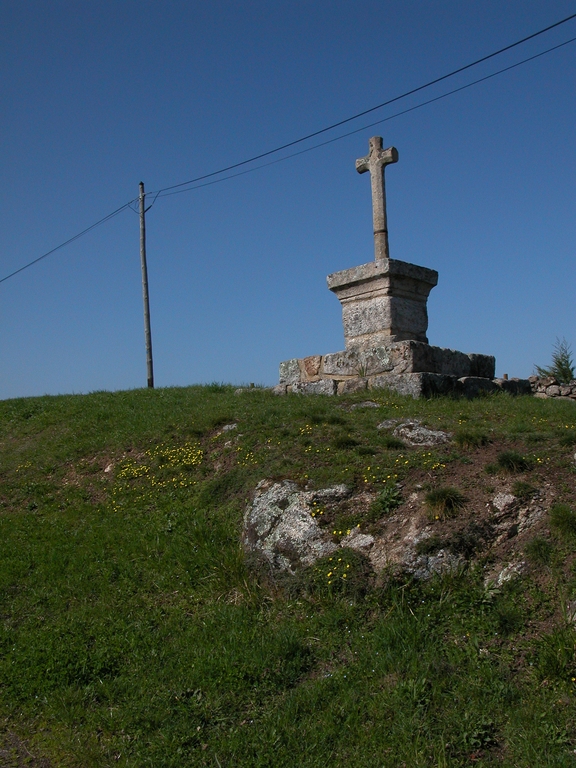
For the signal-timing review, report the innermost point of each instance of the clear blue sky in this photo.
(97, 96)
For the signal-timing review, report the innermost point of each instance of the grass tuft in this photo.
(466, 438)
(563, 519)
(512, 461)
(444, 502)
(539, 551)
(523, 490)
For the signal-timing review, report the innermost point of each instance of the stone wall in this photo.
(396, 358)
(551, 387)
(407, 367)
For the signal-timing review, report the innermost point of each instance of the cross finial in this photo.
(375, 162)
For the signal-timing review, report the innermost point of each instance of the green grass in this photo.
(133, 631)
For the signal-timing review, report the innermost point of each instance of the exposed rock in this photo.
(279, 389)
(279, 524)
(312, 365)
(289, 371)
(425, 566)
(356, 540)
(501, 575)
(503, 501)
(473, 386)
(365, 404)
(352, 385)
(389, 423)
(413, 433)
(322, 387)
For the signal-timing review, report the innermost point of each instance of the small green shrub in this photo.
(512, 461)
(562, 367)
(568, 439)
(366, 450)
(563, 519)
(467, 438)
(510, 618)
(391, 443)
(523, 490)
(555, 655)
(468, 540)
(539, 551)
(429, 546)
(444, 502)
(345, 441)
(386, 501)
(346, 572)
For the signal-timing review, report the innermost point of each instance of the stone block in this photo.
(514, 386)
(290, 371)
(383, 301)
(483, 366)
(473, 386)
(279, 389)
(358, 362)
(312, 365)
(322, 387)
(414, 384)
(352, 385)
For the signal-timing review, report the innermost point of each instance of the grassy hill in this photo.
(134, 632)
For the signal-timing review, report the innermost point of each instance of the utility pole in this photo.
(147, 332)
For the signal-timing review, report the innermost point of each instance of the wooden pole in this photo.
(147, 331)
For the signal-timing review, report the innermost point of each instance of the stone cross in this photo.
(375, 162)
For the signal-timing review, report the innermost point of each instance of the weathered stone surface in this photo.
(312, 365)
(483, 366)
(365, 404)
(357, 540)
(414, 384)
(279, 526)
(423, 567)
(500, 575)
(383, 319)
(514, 386)
(358, 362)
(553, 391)
(404, 357)
(322, 387)
(413, 433)
(383, 301)
(289, 371)
(279, 389)
(504, 502)
(375, 163)
(352, 385)
(403, 383)
(472, 386)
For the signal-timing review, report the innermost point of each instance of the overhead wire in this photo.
(166, 191)
(373, 109)
(70, 240)
(364, 127)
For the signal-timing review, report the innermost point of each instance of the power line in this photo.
(70, 240)
(158, 193)
(372, 109)
(369, 125)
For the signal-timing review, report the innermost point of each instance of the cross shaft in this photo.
(375, 162)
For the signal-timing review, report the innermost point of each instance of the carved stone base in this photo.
(383, 301)
(407, 367)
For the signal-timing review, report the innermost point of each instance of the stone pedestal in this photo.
(383, 302)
